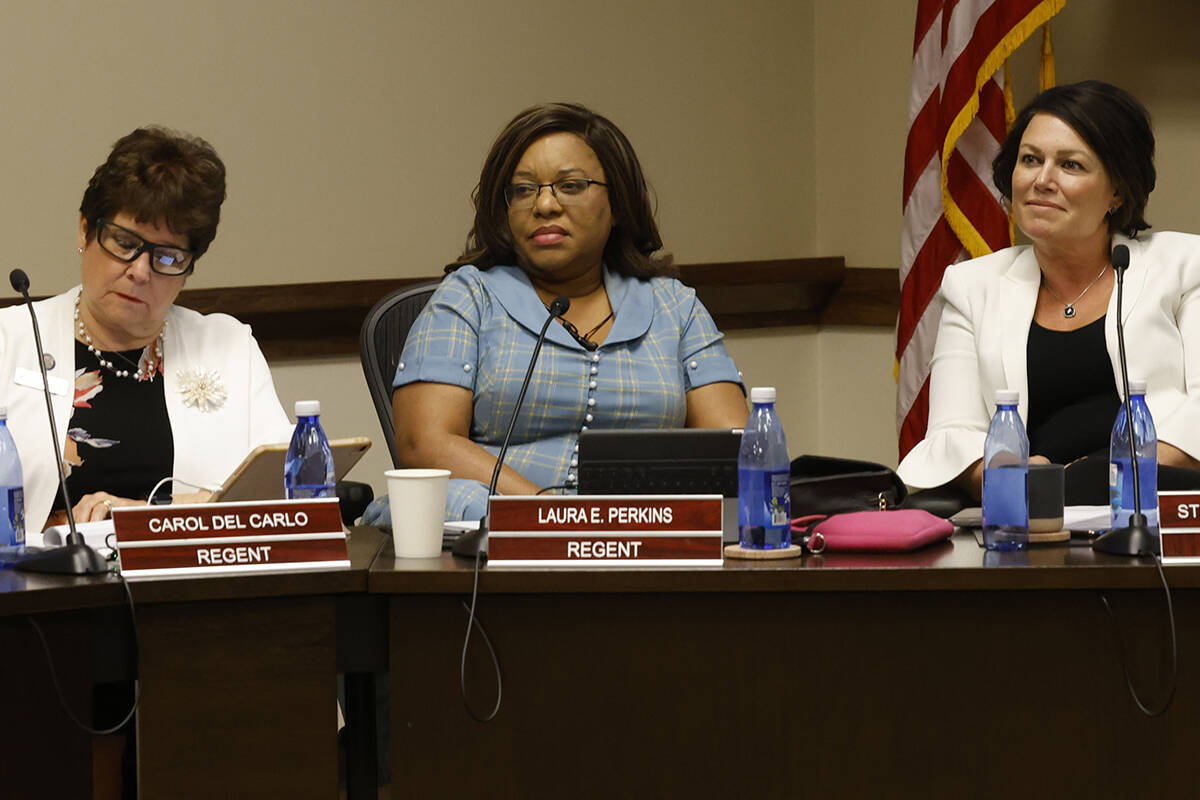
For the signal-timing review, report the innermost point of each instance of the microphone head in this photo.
(19, 280)
(1120, 258)
(558, 307)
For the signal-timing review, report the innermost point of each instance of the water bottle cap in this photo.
(762, 394)
(3, 412)
(1007, 397)
(1137, 386)
(308, 408)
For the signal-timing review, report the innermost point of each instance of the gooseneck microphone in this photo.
(75, 557)
(1135, 539)
(474, 543)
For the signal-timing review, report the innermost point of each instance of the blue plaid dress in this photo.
(478, 332)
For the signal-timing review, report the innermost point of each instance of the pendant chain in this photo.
(1069, 308)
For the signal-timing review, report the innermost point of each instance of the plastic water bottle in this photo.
(12, 491)
(1120, 476)
(1006, 477)
(308, 471)
(764, 478)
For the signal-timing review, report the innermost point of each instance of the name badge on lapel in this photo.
(33, 379)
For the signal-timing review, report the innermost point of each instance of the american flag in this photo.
(957, 112)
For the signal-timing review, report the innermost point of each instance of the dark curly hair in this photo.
(634, 238)
(1114, 125)
(158, 175)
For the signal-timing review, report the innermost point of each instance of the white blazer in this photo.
(988, 306)
(208, 445)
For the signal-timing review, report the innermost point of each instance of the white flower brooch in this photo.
(201, 388)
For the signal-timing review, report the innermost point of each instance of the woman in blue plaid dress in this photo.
(562, 208)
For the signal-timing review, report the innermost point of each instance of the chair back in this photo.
(381, 341)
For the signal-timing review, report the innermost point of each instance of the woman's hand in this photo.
(1171, 456)
(970, 480)
(99, 505)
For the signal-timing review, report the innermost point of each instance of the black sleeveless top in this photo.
(1073, 396)
(119, 438)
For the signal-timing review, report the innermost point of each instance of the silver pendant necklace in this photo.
(1069, 308)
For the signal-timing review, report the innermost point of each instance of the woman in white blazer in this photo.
(141, 389)
(1077, 167)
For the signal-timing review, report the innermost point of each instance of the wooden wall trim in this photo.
(866, 297)
(303, 320)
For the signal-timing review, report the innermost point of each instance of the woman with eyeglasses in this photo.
(142, 389)
(562, 209)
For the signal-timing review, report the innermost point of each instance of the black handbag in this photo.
(826, 485)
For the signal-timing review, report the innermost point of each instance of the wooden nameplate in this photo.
(222, 538)
(605, 531)
(1179, 527)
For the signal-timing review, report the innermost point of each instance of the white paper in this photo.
(93, 533)
(1075, 518)
(1087, 518)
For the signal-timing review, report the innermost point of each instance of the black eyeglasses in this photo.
(125, 245)
(568, 192)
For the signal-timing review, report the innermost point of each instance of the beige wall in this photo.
(354, 131)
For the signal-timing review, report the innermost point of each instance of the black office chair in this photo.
(380, 343)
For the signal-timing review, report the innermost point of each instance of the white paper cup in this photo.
(417, 498)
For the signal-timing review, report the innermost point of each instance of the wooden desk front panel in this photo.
(238, 696)
(42, 753)
(848, 694)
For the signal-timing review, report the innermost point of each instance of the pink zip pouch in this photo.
(898, 531)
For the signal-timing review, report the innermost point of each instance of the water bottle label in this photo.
(779, 486)
(14, 513)
(306, 492)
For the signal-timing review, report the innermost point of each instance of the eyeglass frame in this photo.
(146, 246)
(507, 189)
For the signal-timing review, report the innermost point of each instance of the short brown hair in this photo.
(634, 238)
(158, 175)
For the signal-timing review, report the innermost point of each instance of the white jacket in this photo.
(208, 445)
(981, 346)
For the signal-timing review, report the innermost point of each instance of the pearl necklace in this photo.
(154, 366)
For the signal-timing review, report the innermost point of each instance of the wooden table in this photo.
(944, 673)
(238, 677)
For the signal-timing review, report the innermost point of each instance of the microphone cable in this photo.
(473, 621)
(62, 699)
(154, 492)
(137, 688)
(462, 666)
(563, 486)
(1174, 679)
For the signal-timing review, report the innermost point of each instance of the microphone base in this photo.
(472, 543)
(70, 559)
(1134, 540)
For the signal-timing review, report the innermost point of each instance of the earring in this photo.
(79, 250)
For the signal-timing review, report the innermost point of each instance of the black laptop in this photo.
(670, 461)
